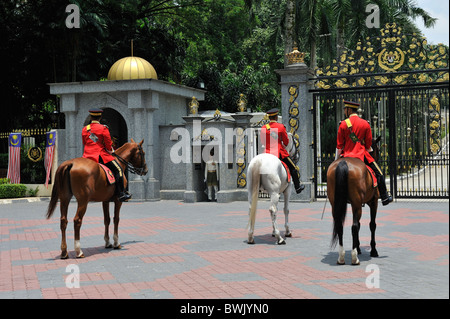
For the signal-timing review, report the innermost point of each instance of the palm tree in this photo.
(327, 27)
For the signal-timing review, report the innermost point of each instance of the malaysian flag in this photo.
(49, 151)
(14, 142)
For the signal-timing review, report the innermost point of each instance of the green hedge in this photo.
(12, 190)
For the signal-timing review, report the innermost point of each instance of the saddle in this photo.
(109, 175)
(287, 171)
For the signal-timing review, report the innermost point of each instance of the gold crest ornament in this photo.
(35, 154)
(391, 60)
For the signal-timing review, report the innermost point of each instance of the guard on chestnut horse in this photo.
(349, 180)
(88, 182)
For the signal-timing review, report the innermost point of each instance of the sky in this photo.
(437, 9)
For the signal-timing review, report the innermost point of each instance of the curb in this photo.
(23, 200)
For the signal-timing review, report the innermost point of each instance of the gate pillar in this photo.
(192, 193)
(296, 110)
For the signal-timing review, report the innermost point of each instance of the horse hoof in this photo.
(282, 242)
(109, 246)
(64, 255)
(357, 263)
(118, 247)
(251, 242)
(289, 235)
(340, 262)
(80, 256)
(373, 253)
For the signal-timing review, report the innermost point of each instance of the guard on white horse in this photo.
(267, 172)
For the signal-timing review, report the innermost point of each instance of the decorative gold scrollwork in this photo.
(294, 115)
(240, 158)
(434, 108)
(390, 52)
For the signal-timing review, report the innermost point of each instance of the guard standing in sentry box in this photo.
(212, 176)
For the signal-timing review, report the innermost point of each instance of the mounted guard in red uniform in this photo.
(274, 137)
(98, 147)
(354, 139)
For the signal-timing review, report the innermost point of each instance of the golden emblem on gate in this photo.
(391, 61)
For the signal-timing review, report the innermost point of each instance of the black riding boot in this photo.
(121, 193)
(386, 197)
(295, 176)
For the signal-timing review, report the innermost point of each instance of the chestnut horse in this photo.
(349, 181)
(87, 181)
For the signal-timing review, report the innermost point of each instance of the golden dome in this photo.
(131, 68)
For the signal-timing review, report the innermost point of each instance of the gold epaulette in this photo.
(349, 124)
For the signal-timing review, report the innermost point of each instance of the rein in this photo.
(129, 166)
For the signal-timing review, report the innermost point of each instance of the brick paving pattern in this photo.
(177, 250)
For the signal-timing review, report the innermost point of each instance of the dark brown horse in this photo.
(87, 181)
(349, 181)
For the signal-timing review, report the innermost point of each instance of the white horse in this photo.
(267, 172)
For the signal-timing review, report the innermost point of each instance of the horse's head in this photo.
(292, 147)
(133, 156)
(137, 159)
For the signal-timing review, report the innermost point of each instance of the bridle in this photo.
(130, 167)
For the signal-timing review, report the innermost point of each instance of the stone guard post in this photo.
(296, 109)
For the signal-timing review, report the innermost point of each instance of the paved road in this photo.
(177, 250)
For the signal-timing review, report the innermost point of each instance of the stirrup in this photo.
(388, 199)
(124, 197)
(300, 189)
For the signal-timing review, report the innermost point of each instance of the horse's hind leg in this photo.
(286, 211)
(357, 210)
(64, 205)
(273, 214)
(373, 226)
(77, 220)
(106, 221)
(117, 206)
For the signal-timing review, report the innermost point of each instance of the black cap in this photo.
(95, 112)
(351, 104)
(272, 112)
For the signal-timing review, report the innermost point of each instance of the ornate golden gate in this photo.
(401, 83)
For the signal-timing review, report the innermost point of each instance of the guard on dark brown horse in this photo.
(350, 181)
(355, 140)
(87, 181)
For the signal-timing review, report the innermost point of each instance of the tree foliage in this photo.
(233, 46)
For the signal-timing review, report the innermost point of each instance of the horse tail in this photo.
(62, 180)
(340, 200)
(255, 180)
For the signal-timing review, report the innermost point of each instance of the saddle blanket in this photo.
(109, 174)
(374, 179)
(287, 171)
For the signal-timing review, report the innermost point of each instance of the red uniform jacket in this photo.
(362, 130)
(272, 135)
(100, 148)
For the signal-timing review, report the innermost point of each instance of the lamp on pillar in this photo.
(55, 118)
(200, 84)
